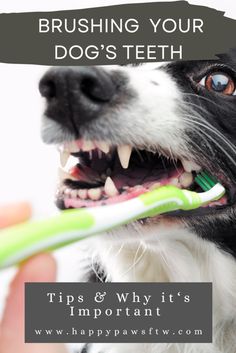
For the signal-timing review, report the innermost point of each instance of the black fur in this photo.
(220, 111)
(213, 117)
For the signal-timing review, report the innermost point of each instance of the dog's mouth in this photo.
(97, 174)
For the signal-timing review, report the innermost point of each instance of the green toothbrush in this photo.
(24, 240)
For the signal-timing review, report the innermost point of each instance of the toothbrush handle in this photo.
(26, 239)
(22, 241)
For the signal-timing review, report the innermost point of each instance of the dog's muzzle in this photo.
(79, 93)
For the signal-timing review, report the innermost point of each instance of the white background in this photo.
(28, 167)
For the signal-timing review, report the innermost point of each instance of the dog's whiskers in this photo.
(216, 132)
(209, 127)
(202, 98)
(136, 259)
(93, 262)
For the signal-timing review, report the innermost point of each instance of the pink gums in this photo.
(130, 193)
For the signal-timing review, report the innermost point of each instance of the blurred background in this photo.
(28, 167)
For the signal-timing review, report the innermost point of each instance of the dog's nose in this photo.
(95, 84)
(92, 83)
(78, 92)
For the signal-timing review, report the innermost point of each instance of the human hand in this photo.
(40, 268)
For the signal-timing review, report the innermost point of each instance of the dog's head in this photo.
(124, 130)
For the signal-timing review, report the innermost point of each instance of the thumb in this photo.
(41, 268)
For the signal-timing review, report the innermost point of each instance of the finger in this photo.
(41, 268)
(14, 213)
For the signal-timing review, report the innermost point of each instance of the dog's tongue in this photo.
(84, 173)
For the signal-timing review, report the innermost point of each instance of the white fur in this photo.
(159, 252)
(52, 131)
(155, 111)
(151, 120)
(164, 251)
(171, 254)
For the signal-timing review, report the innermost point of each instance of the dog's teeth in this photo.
(64, 156)
(190, 166)
(138, 187)
(125, 188)
(110, 188)
(88, 146)
(124, 153)
(186, 179)
(95, 194)
(73, 194)
(103, 146)
(155, 186)
(174, 181)
(71, 162)
(71, 147)
(67, 191)
(82, 193)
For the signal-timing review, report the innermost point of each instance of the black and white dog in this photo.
(124, 130)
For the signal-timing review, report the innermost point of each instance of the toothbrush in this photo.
(19, 242)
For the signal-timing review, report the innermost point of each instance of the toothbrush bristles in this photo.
(205, 180)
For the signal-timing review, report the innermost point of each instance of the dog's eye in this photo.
(219, 82)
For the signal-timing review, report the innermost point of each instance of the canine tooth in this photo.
(64, 156)
(124, 153)
(71, 162)
(82, 193)
(186, 179)
(88, 146)
(190, 166)
(95, 194)
(103, 146)
(110, 188)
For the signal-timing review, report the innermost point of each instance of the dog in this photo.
(123, 130)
